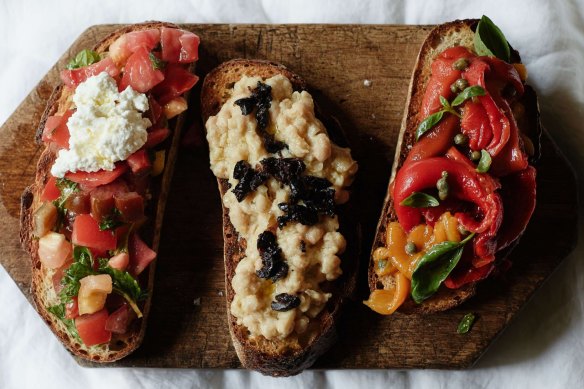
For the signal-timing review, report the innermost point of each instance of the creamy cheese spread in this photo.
(311, 252)
(106, 127)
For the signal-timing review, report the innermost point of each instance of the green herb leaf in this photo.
(420, 200)
(124, 284)
(84, 58)
(111, 222)
(444, 102)
(468, 93)
(485, 162)
(82, 267)
(59, 311)
(466, 323)
(67, 188)
(489, 40)
(428, 123)
(157, 63)
(434, 267)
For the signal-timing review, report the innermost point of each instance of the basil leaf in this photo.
(111, 222)
(466, 323)
(444, 102)
(67, 188)
(489, 40)
(420, 200)
(84, 58)
(468, 93)
(59, 311)
(124, 284)
(82, 267)
(428, 123)
(485, 162)
(434, 267)
(157, 63)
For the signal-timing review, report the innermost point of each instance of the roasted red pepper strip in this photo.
(472, 274)
(465, 184)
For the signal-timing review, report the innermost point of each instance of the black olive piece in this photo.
(303, 246)
(283, 169)
(285, 302)
(246, 104)
(273, 267)
(249, 179)
(298, 213)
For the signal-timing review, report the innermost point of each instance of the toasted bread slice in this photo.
(42, 289)
(456, 33)
(274, 357)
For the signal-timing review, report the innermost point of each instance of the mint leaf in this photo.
(420, 200)
(489, 40)
(84, 58)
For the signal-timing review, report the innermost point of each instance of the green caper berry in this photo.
(411, 248)
(461, 83)
(454, 88)
(442, 186)
(381, 264)
(475, 155)
(460, 64)
(461, 139)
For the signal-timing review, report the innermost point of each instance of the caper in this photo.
(475, 155)
(460, 64)
(381, 264)
(442, 186)
(411, 248)
(460, 139)
(461, 83)
(454, 88)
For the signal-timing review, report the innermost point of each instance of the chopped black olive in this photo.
(283, 169)
(249, 179)
(298, 213)
(315, 192)
(273, 266)
(261, 98)
(285, 302)
(303, 246)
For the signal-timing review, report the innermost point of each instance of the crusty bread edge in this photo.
(270, 363)
(30, 201)
(439, 38)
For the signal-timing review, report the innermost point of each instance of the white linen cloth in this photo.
(543, 347)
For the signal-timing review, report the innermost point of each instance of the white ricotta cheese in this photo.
(107, 126)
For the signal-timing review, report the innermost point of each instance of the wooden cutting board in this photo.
(187, 326)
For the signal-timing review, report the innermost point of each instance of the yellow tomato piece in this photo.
(158, 164)
(386, 302)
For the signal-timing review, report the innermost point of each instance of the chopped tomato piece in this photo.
(128, 43)
(58, 276)
(74, 77)
(139, 162)
(177, 80)
(56, 130)
(90, 180)
(119, 261)
(139, 72)
(72, 309)
(86, 233)
(140, 254)
(170, 43)
(130, 205)
(91, 328)
(189, 47)
(119, 321)
(50, 192)
(102, 198)
(155, 110)
(156, 136)
(54, 250)
(175, 107)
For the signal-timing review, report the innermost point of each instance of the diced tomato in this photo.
(156, 137)
(189, 47)
(130, 205)
(175, 107)
(128, 43)
(140, 254)
(72, 309)
(74, 77)
(119, 320)
(139, 162)
(54, 250)
(102, 198)
(90, 180)
(91, 328)
(179, 46)
(56, 130)
(139, 72)
(155, 110)
(86, 233)
(119, 261)
(50, 192)
(177, 80)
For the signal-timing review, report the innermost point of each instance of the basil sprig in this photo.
(466, 323)
(59, 311)
(157, 63)
(434, 267)
(420, 200)
(485, 162)
(84, 58)
(489, 40)
(447, 107)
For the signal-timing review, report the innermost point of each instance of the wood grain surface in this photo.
(187, 326)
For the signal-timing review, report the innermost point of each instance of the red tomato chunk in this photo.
(91, 328)
(86, 233)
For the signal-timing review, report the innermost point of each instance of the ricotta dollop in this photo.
(106, 127)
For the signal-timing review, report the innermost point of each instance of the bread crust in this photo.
(456, 33)
(275, 358)
(41, 286)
